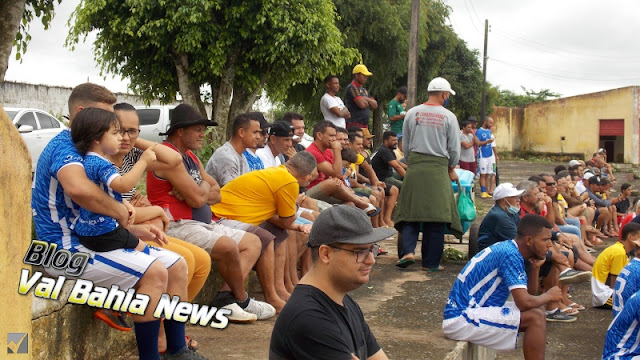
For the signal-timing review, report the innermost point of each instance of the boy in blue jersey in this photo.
(477, 309)
(623, 340)
(628, 281)
(486, 160)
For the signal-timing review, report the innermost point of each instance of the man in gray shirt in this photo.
(431, 139)
(227, 162)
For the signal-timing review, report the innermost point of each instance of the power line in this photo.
(634, 77)
(470, 17)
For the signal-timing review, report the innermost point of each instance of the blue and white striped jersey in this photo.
(622, 341)
(53, 210)
(101, 171)
(627, 284)
(487, 279)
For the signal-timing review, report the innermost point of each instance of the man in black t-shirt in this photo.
(320, 321)
(384, 161)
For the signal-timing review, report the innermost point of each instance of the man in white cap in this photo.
(357, 98)
(431, 143)
(502, 220)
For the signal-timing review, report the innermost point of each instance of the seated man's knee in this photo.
(394, 190)
(178, 270)
(224, 247)
(156, 276)
(250, 241)
(533, 318)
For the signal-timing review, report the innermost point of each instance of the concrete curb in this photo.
(468, 351)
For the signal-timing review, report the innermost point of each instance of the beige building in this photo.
(577, 125)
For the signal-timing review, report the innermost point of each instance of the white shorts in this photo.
(486, 165)
(493, 327)
(301, 210)
(202, 235)
(122, 267)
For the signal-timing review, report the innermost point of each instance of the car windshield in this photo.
(12, 114)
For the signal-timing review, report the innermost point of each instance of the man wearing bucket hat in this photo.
(320, 321)
(431, 143)
(357, 98)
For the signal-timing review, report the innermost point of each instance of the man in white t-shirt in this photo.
(332, 106)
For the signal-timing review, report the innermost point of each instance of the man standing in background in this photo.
(331, 105)
(485, 156)
(396, 111)
(357, 98)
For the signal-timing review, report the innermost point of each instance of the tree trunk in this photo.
(222, 99)
(10, 17)
(377, 127)
(242, 102)
(188, 89)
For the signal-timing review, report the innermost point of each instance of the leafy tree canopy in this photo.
(511, 99)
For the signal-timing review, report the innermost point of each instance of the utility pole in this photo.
(412, 81)
(484, 72)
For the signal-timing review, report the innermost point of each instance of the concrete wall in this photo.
(508, 127)
(52, 99)
(15, 234)
(577, 119)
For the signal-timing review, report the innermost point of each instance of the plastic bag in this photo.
(466, 209)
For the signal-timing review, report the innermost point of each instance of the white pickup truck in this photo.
(154, 120)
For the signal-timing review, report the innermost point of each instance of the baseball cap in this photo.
(345, 224)
(281, 129)
(366, 134)
(264, 124)
(587, 175)
(505, 190)
(440, 84)
(183, 116)
(361, 69)
(602, 151)
(574, 162)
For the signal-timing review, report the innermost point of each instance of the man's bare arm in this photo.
(194, 195)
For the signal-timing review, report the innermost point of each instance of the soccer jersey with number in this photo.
(487, 279)
(53, 210)
(484, 151)
(622, 341)
(627, 284)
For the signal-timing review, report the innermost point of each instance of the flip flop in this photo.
(435, 269)
(404, 263)
(577, 306)
(570, 311)
(372, 210)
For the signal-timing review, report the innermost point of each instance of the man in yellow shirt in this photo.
(267, 198)
(608, 266)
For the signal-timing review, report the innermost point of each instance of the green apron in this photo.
(427, 194)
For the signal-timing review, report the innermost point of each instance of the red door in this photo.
(612, 127)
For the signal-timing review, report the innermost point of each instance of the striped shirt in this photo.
(623, 340)
(253, 160)
(53, 210)
(627, 284)
(487, 279)
(129, 160)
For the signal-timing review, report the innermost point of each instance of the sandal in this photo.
(404, 263)
(372, 210)
(577, 306)
(191, 344)
(570, 311)
(435, 269)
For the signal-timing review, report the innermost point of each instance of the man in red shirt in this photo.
(329, 185)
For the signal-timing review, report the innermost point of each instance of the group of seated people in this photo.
(251, 206)
(577, 208)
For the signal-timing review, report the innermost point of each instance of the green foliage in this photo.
(511, 99)
(43, 9)
(380, 31)
(450, 254)
(210, 144)
(259, 43)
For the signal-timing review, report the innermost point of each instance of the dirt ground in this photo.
(404, 307)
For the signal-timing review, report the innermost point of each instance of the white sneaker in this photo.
(238, 315)
(261, 309)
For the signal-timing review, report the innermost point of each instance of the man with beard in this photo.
(477, 309)
(384, 160)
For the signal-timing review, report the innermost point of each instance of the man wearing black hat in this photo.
(186, 196)
(280, 141)
(320, 321)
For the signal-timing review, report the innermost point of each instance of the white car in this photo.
(37, 128)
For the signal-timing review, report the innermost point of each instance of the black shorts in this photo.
(120, 238)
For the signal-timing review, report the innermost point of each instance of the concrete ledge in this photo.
(468, 351)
